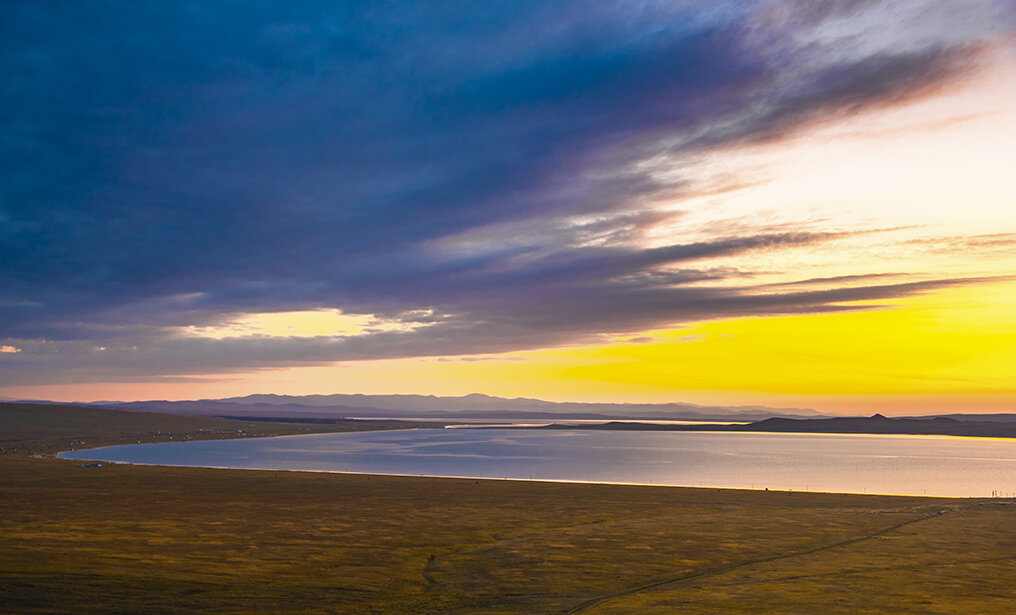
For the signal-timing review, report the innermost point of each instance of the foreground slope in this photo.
(179, 540)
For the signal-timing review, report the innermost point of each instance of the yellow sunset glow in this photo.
(958, 341)
(949, 350)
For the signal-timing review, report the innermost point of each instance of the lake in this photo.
(848, 463)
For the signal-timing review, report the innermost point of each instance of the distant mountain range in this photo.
(877, 424)
(474, 406)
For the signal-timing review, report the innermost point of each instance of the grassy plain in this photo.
(134, 539)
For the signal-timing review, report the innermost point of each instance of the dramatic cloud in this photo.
(485, 169)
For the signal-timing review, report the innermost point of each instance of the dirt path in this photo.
(840, 573)
(590, 603)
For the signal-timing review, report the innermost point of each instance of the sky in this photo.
(786, 203)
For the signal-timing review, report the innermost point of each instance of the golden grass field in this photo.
(135, 539)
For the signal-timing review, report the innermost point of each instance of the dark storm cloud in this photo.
(164, 163)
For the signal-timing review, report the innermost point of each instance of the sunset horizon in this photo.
(760, 203)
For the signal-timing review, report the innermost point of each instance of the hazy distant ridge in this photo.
(474, 406)
(479, 403)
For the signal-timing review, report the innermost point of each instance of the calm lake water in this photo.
(915, 465)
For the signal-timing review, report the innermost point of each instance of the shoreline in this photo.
(522, 479)
(553, 481)
(187, 428)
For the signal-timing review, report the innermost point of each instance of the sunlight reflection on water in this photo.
(852, 463)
